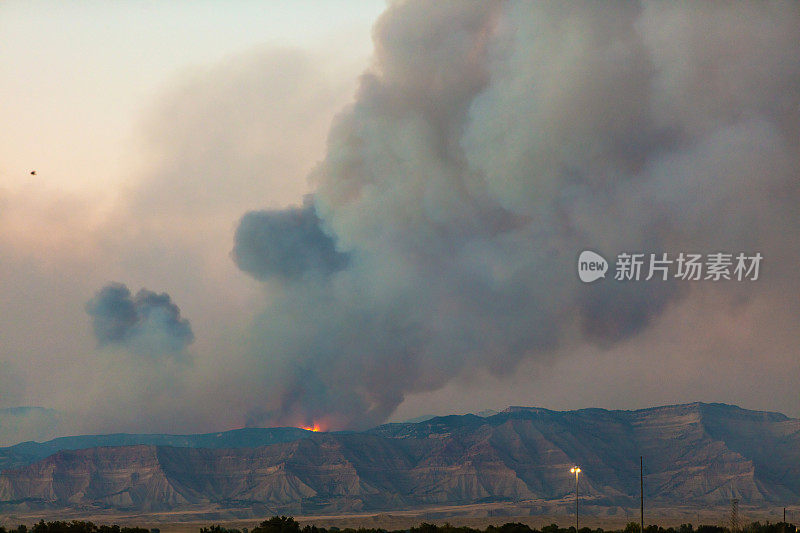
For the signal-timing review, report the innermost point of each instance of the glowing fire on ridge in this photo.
(314, 427)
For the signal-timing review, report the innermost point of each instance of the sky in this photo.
(348, 212)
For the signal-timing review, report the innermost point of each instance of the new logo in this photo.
(591, 266)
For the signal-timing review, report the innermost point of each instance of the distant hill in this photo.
(702, 454)
(29, 452)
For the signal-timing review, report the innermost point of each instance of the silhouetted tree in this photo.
(278, 524)
(216, 528)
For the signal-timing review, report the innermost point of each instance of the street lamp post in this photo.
(576, 470)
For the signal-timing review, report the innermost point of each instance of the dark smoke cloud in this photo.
(288, 243)
(488, 145)
(147, 323)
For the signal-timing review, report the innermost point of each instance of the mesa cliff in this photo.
(698, 453)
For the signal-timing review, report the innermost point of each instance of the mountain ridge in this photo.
(700, 453)
(30, 451)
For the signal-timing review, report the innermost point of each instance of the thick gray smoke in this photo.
(147, 323)
(488, 145)
(289, 244)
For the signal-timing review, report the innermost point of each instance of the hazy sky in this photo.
(346, 212)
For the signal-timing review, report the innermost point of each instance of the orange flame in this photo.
(314, 427)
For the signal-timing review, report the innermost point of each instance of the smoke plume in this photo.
(285, 243)
(487, 146)
(147, 323)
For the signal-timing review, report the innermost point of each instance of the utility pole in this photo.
(641, 488)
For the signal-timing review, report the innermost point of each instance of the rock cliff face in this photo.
(698, 453)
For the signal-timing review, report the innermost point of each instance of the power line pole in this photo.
(641, 488)
(734, 515)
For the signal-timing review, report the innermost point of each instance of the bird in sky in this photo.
(33, 172)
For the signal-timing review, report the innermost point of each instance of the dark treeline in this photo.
(76, 526)
(287, 524)
(284, 524)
